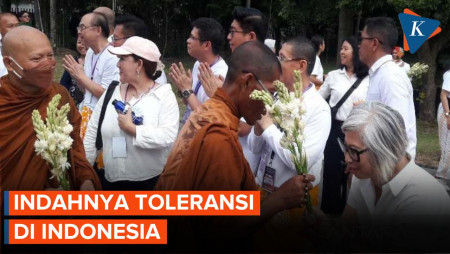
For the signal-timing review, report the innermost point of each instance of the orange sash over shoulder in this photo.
(20, 167)
(207, 154)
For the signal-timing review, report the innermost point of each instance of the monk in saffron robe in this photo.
(207, 154)
(29, 85)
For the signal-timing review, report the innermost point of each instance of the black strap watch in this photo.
(185, 93)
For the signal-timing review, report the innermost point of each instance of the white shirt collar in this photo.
(379, 63)
(401, 179)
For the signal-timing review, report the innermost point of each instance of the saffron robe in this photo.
(207, 154)
(20, 166)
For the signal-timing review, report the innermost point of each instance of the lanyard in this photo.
(197, 87)
(140, 96)
(96, 61)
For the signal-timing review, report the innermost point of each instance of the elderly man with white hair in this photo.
(387, 186)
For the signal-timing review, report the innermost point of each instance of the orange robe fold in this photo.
(207, 154)
(20, 167)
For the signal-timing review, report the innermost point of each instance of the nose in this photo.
(229, 37)
(347, 157)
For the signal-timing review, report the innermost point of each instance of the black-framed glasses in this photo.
(282, 59)
(194, 38)
(83, 27)
(232, 31)
(264, 87)
(352, 152)
(114, 38)
(361, 38)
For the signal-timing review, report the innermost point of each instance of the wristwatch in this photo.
(185, 93)
(447, 113)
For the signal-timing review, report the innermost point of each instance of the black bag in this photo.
(108, 95)
(99, 141)
(336, 107)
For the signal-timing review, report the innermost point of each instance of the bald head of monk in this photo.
(109, 14)
(28, 57)
(252, 66)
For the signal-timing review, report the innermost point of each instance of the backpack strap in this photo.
(108, 95)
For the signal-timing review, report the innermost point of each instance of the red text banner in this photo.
(86, 231)
(132, 203)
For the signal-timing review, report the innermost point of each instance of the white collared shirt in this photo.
(391, 86)
(446, 82)
(317, 129)
(336, 86)
(318, 69)
(105, 72)
(412, 194)
(147, 152)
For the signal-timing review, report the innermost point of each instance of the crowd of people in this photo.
(359, 136)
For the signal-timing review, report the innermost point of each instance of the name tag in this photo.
(269, 179)
(119, 147)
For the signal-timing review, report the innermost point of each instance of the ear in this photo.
(303, 66)
(208, 44)
(253, 36)
(7, 62)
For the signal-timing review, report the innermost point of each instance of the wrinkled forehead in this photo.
(31, 45)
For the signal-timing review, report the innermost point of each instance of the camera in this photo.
(122, 108)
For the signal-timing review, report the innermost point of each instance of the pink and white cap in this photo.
(141, 47)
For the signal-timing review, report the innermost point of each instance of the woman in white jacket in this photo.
(134, 154)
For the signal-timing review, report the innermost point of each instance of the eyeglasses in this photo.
(284, 59)
(194, 38)
(25, 16)
(83, 27)
(264, 87)
(232, 31)
(114, 39)
(353, 153)
(360, 38)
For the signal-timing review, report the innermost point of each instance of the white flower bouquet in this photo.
(287, 112)
(417, 70)
(53, 139)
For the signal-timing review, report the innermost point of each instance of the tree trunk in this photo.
(345, 28)
(428, 54)
(248, 3)
(53, 23)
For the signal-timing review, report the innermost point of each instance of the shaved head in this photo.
(109, 15)
(28, 57)
(21, 38)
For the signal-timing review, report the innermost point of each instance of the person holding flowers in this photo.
(276, 166)
(28, 86)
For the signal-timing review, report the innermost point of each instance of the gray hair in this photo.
(382, 130)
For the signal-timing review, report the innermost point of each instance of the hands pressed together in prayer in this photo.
(181, 78)
(74, 68)
(210, 82)
(262, 124)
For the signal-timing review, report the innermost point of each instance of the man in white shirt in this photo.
(388, 83)
(8, 21)
(100, 67)
(126, 26)
(295, 54)
(204, 44)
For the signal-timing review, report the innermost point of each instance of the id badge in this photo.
(269, 179)
(119, 147)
